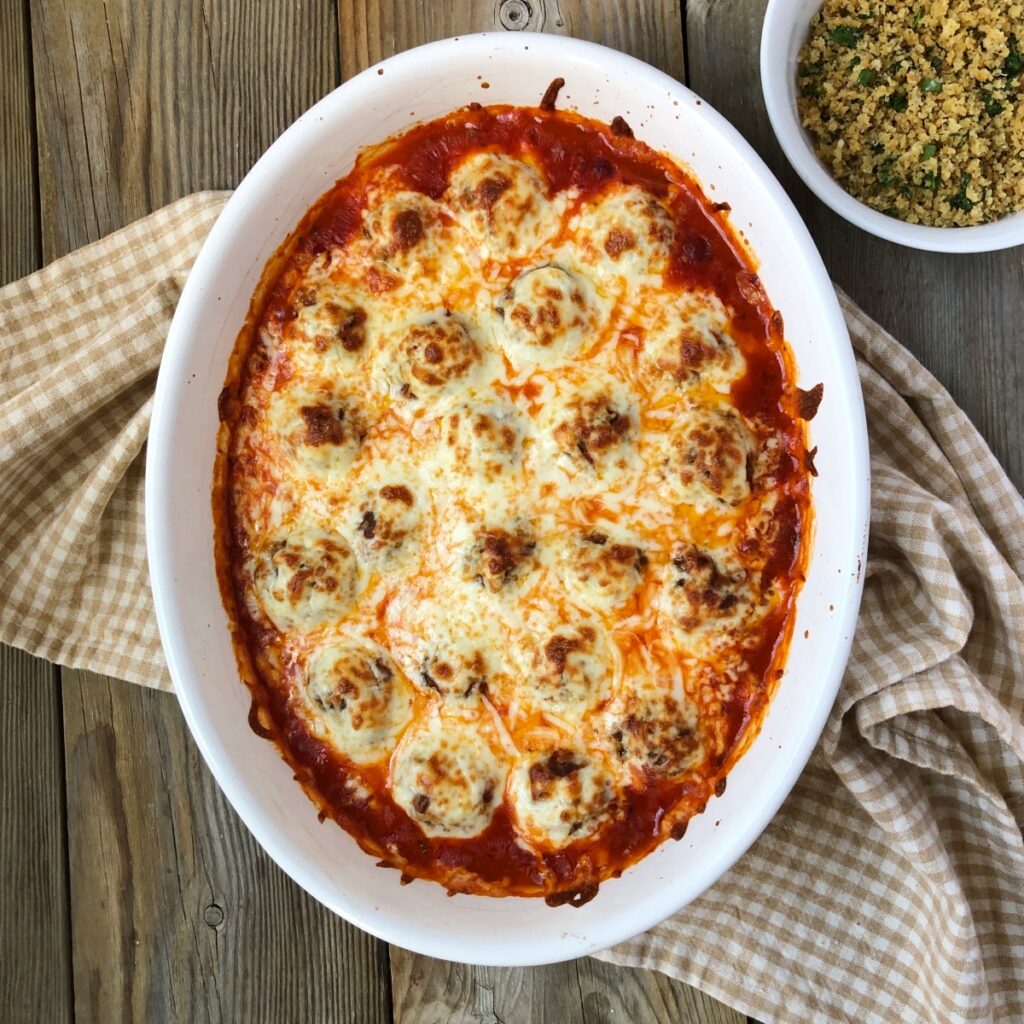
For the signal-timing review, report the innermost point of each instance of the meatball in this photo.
(499, 557)
(561, 796)
(445, 641)
(501, 204)
(628, 232)
(435, 355)
(571, 671)
(306, 580)
(602, 570)
(403, 227)
(359, 700)
(385, 519)
(650, 730)
(689, 343)
(318, 431)
(485, 440)
(447, 779)
(700, 594)
(595, 429)
(547, 315)
(707, 458)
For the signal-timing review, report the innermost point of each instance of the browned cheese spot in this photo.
(324, 425)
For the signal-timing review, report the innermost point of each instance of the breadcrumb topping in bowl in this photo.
(916, 108)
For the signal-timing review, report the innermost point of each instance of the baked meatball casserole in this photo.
(512, 501)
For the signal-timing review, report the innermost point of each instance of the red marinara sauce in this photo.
(584, 158)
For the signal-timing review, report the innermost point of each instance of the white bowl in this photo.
(302, 164)
(785, 29)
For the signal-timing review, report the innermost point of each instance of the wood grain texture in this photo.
(426, 991)
(651, 30)
(962, 316)
(141, 103)
(584, 991)
(35, 963)
(177, 914)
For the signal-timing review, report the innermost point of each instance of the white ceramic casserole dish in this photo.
(319, 148)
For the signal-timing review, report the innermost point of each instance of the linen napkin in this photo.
(889, 887)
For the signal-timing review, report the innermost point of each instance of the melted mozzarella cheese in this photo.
(356, 699)
(487, 446)
(547, 315)
(687, 340)
(447, 778)
(561, 796)
(502, 205)
(306, 580)
(705, 456)
(625, 233)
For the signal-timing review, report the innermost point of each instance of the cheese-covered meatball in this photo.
(571, 671)
(404, 229)
(306, 580)
(485, 439)
(651, 730)
(561, 796)
(500, 556)
(502, 204)
(360, 702)
(446, 641)
(547, 315)
(433, 355)
(688, 342)
(333, 325)
(318, 431)
(707, 457)
(447, 779)
(385, 520)
(601, 569)
(594, 429)
(703, 597)
(627, 232)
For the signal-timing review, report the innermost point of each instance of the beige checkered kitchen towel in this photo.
(890, 887)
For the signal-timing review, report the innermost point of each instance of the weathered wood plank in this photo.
(35, 980)
(651, 30)
(426, 990)
(960, 315)
(35, 977)
(584, 991)
(176, 913)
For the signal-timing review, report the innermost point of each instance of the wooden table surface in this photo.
(129, 890)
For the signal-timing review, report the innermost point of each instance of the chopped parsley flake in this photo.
(896, 101)
(846, 35)
(931, 85)
(866, 77)
(960, 200)
(1014, 63)
(992, 105)
(929, 151)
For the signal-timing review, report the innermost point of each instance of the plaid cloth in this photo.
(889, 887)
